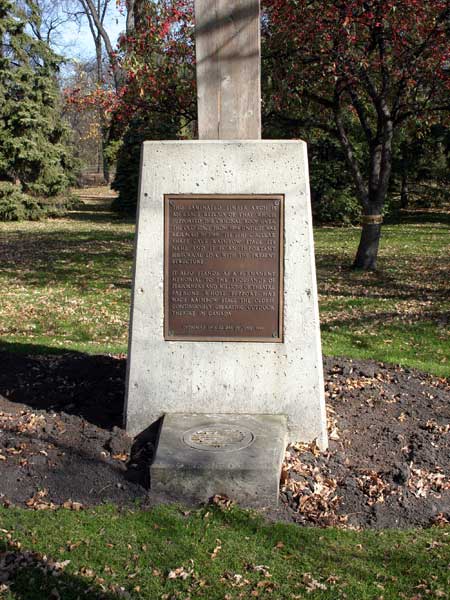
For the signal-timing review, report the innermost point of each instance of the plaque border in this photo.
(193, 338)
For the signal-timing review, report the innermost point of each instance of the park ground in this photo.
(64, 315)
(66, 286)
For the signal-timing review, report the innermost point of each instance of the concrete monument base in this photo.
(238, 456)
(175, 376)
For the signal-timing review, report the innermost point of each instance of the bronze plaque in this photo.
(223, 275)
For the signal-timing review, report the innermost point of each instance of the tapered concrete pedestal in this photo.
(239, 456)
(259, 378)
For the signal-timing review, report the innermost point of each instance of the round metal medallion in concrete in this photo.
(219, 437)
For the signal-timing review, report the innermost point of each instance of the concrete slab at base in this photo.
(226, 377)
(238, 456)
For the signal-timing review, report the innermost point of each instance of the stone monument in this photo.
(224, 344)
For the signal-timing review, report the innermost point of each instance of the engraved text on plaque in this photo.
(223, 267)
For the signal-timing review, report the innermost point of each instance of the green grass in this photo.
(136, 550)
(66, 285)
(399, 313)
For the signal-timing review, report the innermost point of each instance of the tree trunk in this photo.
(366, 257)
(101, 161)
(136, 10)
(380, 174)
(96, 20)
(139, 12)
(106, 174)
(373, 195)
(404, 194)
(129, 26)
(105, 139)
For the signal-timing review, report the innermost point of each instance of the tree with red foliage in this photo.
(376, 63)
(157, 57)
(156, 96)
(157, 100)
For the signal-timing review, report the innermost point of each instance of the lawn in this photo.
(399, 313)
(66, 285)
(169, 553)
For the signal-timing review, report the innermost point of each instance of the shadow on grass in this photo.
(382, 283)
(356, 561)
(98, 213)
(30, 577)
(92, 216)
(419, 217)
(96, 209)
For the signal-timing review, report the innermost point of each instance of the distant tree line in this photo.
(365, 83)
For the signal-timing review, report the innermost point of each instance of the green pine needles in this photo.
(35, 156)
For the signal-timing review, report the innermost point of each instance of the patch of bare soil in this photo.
(387, 465)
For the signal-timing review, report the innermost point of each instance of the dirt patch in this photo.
(388, 462)
(387, 466)
(60, 434)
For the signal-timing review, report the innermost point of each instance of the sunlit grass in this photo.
(167, 553)
(398, 314)
(66, 284)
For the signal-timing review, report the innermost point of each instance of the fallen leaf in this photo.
(312, 584)
(216, 550)
(121, 457)
(179, 573)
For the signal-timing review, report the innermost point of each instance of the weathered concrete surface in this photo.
(249, 475)
(215, 377)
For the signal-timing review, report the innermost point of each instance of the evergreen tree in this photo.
(34, 152)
